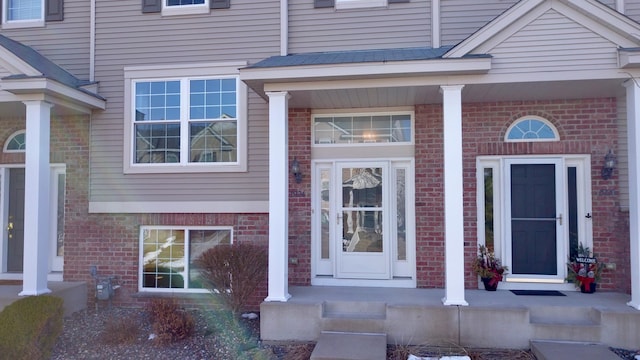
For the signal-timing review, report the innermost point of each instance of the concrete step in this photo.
(354, 309)
(564, 315)
(562, 350)
(350, 346)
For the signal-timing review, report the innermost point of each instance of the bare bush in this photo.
(170, 322)
(234, 272)
(120, 331)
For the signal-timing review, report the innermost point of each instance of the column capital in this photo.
(42, 103)
(444, 88)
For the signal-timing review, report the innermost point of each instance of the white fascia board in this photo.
(179, 207)
(628, 59)
(513, 14)
(607, 16)
(54, 89)
(15, 65)
(477, 65)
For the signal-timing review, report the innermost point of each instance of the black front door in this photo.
(15, 226)
(534, 218)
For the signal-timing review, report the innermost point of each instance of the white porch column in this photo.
(633, 133)
(36, 199)
(278, 197)
(453, 199)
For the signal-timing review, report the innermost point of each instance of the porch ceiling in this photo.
(368, 97)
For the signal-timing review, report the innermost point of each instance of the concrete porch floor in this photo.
(417, 316)
(74, 294)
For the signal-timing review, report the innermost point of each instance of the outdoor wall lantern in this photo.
(295, 170)
(609, 165)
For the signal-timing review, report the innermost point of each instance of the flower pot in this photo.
(488, 285)
(590, 289)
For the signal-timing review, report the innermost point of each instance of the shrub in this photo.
(30, 327)
(120, 331)
(233, 271)
(170, 322)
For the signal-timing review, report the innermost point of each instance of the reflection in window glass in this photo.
(168, 255)
(401, 215)
(362, 210)
(60, 219)
(488, 208)
(325, 186)
(362, 129)
(24, 10)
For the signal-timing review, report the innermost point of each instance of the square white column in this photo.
(278, 286)
(453, 199)
(633, 134)
(36, 199)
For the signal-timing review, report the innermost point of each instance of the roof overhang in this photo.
(259, 78)
(629, 58)
(39, 87)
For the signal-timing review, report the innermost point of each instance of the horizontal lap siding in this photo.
(632, 9)
(126, 37)
(66, 43)
(326, 29)
(609, 3)
(461, 18)
(551, 43)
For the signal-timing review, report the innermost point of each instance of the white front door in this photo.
(363, 220)
(363, 226)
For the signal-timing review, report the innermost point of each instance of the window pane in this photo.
(213, 141)
(17, 142)
(199, 242)
(213, 99)
(157, 100)
(157, 143)
(62, 178)
(401, 230)
(24, 10)
(325, 187)
(184, 2)
(363, 129)
(163, 258)
(488, 208)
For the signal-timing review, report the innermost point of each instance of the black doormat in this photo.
(538, 292)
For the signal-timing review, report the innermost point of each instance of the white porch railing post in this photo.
(36, 199)
(453, 198)
(278, 287)
(633, 133)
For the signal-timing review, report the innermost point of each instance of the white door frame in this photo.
(56, 263)
(497, 165)
(324, 270)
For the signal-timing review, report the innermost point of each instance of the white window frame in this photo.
(556, 135)
(10, 138)
(175, 72)
(192, 9)
(355, 4)
(16, 24)
(186, 229)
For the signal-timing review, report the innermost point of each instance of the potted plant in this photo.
(584, 270)
(489, 268)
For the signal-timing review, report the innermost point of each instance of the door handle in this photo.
(10, 229)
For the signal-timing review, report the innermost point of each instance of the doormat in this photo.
(10, 282)
(538, 292)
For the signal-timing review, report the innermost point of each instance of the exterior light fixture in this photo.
(609, 165)
(295, 170)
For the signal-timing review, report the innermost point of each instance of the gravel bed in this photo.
(217, 336)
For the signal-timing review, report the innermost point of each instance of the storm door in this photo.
(362, 217)
(535, 218)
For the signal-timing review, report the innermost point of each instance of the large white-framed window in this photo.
(167, 255)
(185, 119)
(354, 4)
(184, 7)
(22, 13)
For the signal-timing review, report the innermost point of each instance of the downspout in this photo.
(620, 6)
(92, 41)
(284, 27)
(435, 24)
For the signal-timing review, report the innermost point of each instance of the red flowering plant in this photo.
(584, 269)
(488, 266)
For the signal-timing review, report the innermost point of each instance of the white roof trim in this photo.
(53, 89)
(593, 15)
(15, 65)
(628, 58)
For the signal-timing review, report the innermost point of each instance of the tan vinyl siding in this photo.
(461, 18)
(609, 3)
(396, 26)
(632, 9)
(126, 37)
(66, 43)
(552, 43)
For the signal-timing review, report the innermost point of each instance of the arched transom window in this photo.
(16, 142)
(531, 128)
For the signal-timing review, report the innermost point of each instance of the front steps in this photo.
(350, 346)
(562, 350)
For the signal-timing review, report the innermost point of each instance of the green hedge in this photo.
(30, 327)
